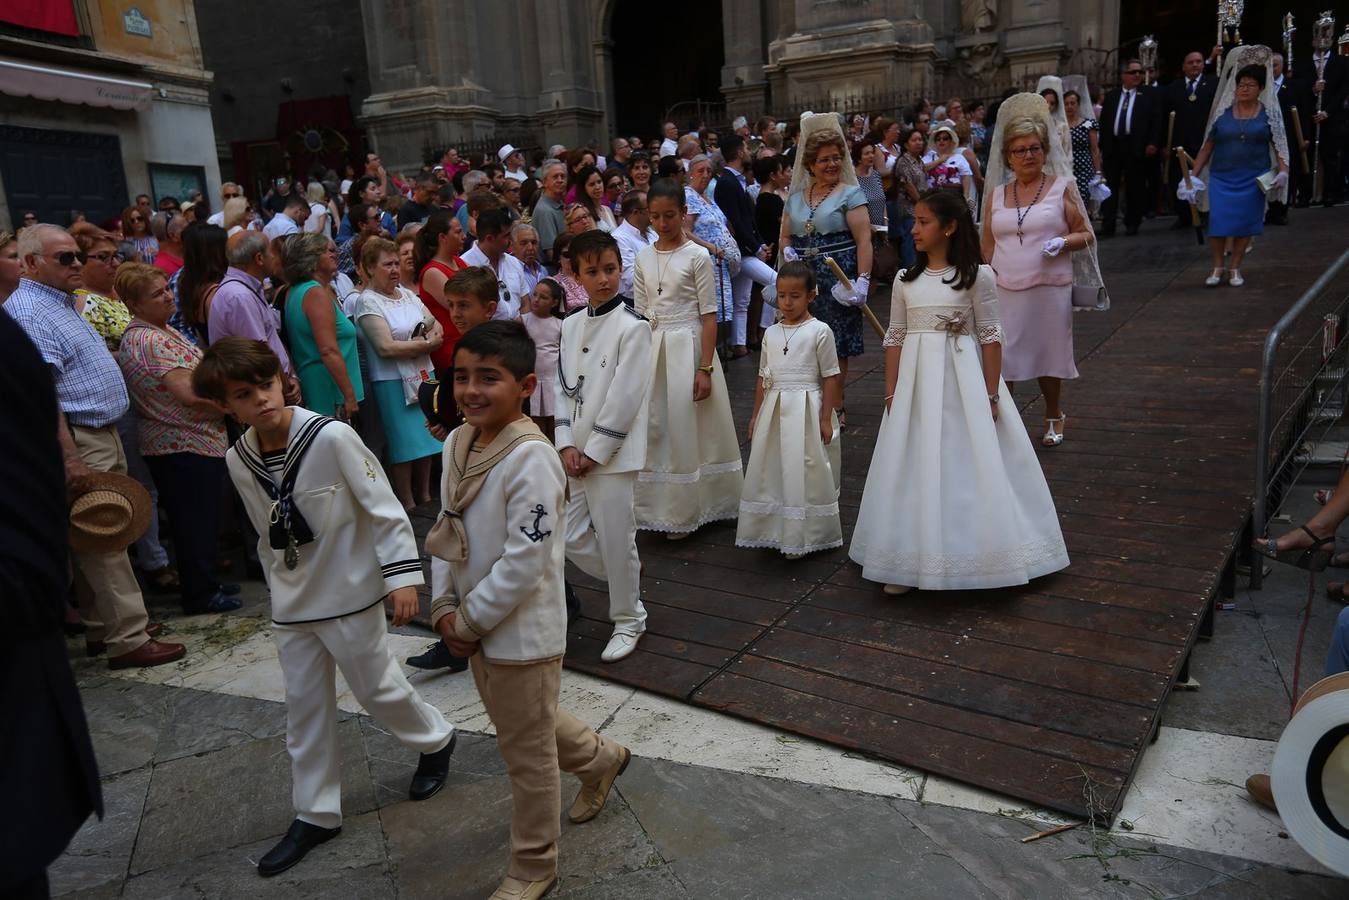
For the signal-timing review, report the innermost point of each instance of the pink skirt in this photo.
(1037, 326)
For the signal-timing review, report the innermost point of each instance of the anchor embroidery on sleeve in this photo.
(534, 534)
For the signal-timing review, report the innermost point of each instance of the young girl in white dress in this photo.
(954, 498)
(790, 502)
(543, 321)
(693, 472)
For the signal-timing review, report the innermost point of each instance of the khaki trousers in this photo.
(109, 597)
(537, 739)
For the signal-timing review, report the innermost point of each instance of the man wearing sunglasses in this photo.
(228, 191)
(92, 396)
(1130, 133)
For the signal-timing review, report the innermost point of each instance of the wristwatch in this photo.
(992, 398)
(707, 369)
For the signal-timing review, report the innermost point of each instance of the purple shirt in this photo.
(238, 309)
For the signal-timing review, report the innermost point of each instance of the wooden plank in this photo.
(679, 624)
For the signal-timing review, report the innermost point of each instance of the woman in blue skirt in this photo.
(1245, 144)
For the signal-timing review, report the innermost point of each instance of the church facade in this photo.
(543, 71)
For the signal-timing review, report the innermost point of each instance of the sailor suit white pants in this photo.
(358, 645)
(602, 541)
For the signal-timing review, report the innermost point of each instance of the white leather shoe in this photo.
(1214, 279)
(1235, 278)
(619, 646)
(896, 589)
(515, 889)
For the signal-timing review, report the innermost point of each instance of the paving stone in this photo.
(125, 721)
(202, 721)
(235, 796)
(655, 883)
(98, 855)
(351, 866)
(392, 764)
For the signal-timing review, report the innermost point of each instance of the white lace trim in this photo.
(707, 518)
(989, 334)
(895, 335)
(708, 470)
(777, 545)
(771, 508)
(1027, 556)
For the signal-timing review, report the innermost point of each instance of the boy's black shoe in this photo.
(438, 656)
(573, 604)
(299, 840)
(432, 770)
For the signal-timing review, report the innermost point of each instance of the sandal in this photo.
(1055, 428)
(1322, 497)
(1314, 558)
(842, 417)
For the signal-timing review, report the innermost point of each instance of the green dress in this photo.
(318, 391)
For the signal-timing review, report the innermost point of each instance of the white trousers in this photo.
(602, 541)
(358, 645)
(752, 269)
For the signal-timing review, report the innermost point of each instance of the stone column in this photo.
(742, 77)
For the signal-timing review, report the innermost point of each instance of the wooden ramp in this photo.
(1050, 692)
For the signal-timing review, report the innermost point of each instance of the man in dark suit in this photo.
(734, 201)
(1291, 95)
(1330, 74)
(47, 772)
(1189, 97)
(1130, 122)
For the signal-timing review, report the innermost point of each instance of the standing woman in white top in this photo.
(318, 220)
(401, 333)
(692, 474)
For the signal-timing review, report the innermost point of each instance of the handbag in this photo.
(884, 260)
(1093, 298)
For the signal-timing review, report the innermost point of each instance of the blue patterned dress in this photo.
(829, 235)
(711, 226)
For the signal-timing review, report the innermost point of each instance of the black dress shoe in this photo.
(573, 604)
(432, 769)
(438, 656)
(299, 840)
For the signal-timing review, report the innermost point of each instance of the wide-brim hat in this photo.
(505, 151)
(109, 515)
(1310, 777)
(437, 404)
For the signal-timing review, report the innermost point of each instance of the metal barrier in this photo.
(1302, 383)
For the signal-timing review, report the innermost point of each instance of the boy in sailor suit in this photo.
(333, 541)
(604, 379)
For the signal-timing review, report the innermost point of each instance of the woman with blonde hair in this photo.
(237, 215)
(1035, 235)
(322, 339)
(318, 222)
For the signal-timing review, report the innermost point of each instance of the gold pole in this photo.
(847, 286)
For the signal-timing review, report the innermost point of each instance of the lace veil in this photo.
(1238, 58)
(1059, 116)
(1059, 163)
(810, 124)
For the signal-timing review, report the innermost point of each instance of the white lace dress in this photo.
(790, 501)
(693, 472)
(953, 500)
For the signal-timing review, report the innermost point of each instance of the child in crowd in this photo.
(954, 498)
(692, 474)
(503, 547)
(334, 543)
(543, 321)
(604, 375)
(471, 295)
(790, 501)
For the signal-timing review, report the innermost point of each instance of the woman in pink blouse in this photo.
(182, 436)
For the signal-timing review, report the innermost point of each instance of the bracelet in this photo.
(891, 397)
(708, 369)
(992, 398)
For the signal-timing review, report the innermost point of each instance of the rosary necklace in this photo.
(1020, 216)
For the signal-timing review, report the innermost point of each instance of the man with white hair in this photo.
(741, 127)
(239, 308)
(472, 181)
(548, 220)
(525, 247)
(514, 161)
(669, 146)
(228, 191)
(92, 396)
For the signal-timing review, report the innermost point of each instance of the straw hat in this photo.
(111, 514)
(1310, 777)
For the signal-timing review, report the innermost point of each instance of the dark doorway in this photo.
(1181, 26)
(55, 173)
(664, 54)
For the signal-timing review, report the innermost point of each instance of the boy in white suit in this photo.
(333, 541)
(501, 548)
(604, 379)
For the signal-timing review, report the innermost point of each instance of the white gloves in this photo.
(856, 297)
(1280, 181)
(770, 294)
(1053, 246)
(1191, 192)
(1097, 190)
(789, 254)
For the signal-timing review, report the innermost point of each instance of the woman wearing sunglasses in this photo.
(136, 228)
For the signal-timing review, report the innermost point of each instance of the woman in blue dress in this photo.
(826, 216)
(708, 225)
(1237, 152)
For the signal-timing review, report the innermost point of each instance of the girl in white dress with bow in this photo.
(790, 501)
(693, 472)
(955, 497)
